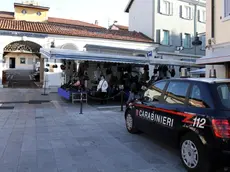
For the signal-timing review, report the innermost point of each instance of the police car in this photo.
(191, 113)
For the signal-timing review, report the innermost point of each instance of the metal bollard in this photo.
(81, 104)
(122, 100)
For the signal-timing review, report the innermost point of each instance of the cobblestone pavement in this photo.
(54, 137)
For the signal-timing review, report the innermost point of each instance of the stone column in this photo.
(1, 68)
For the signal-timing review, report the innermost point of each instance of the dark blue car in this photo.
(193, 114)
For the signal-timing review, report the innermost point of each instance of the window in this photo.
(39, 13)
(202, 16)
(186, 12)
(154, 92)
(176, 93)
(166, 7)
(187, 41)
(195, 98)
(30, 61)
(24, 11)
(224, 94)
(203, 39)
(226, 8)
(22, 60)
(165, 39)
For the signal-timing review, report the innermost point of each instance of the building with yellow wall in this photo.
(30, 12)
(25, 60)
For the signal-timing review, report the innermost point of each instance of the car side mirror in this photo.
(156, 98)
(145, 98)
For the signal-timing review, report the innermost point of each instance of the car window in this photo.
(176, 92)
(196, 98)
(224, 94)
(154, 92)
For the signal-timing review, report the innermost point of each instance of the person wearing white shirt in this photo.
(102, 88)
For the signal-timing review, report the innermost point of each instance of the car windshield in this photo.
(224, 94)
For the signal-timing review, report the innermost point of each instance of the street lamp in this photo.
(52, 45)
(196, 41)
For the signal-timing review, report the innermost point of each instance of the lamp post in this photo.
(196, 41)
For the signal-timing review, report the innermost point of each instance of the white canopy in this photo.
(198, 71)
(54, 53)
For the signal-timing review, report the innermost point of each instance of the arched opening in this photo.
(69, 46)
(21, 60)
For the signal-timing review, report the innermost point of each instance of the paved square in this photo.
(54, 137)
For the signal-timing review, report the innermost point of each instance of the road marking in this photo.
(105, 107)
(12, 76)
(30, 77)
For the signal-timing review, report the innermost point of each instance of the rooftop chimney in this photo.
(96, 22)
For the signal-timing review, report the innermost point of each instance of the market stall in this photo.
(87, 68)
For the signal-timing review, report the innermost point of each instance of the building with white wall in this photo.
(171, 23)
(218, 40)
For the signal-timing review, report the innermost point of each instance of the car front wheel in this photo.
(129, 121)
(192, 153)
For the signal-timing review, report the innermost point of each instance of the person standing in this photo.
(102, 88)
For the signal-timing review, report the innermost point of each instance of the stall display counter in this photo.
(64, 93)
(76, 96)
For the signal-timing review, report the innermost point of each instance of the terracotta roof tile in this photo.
(71, 22)
(6, 14)
(72, 30)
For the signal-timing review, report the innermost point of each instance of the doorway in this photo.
(12, 62)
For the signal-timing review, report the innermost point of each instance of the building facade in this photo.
(173, 24)
(29, 28)
(218, 40)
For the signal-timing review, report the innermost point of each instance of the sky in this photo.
(105, 11)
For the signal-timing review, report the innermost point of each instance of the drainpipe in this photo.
(213, 18)
(212, 71)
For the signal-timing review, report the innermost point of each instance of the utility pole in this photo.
(195, 18)
(196, 41)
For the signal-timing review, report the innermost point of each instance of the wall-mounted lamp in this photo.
(52, 45)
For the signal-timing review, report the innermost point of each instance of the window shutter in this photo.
(199, 15)
(204, 16)
(191, 13)
(226, 8)
(171, 8)
(181, 39)
(191, 40)
(161, 36)
(181, 11)
(203, 42)
(160, 6)
(171, 38)
(158, 36)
